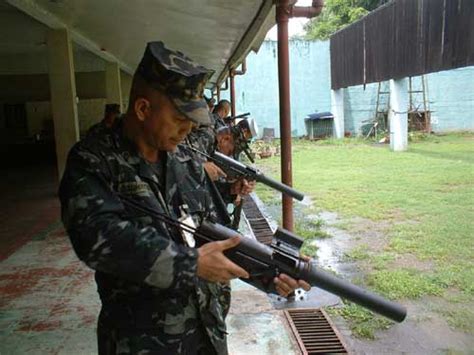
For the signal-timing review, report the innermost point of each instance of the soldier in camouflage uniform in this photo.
(159, 294)
(205, 138)
(112, 112)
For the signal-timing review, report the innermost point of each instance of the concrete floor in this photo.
(48, 300)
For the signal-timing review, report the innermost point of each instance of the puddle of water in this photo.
(330, 250)
(329, 254)
(414, 336)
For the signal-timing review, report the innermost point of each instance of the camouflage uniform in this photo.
(204, 138)
(152, 300)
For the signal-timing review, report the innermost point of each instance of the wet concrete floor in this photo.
(48, 299)
(425, 331)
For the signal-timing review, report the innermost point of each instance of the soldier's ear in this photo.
(142, 108)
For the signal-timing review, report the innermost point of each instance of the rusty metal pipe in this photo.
(219, 88)
(243, 69)
(232, 74)
(284, 11)
(282, 18)
(226, 86)
(307, 11)
(232, 92)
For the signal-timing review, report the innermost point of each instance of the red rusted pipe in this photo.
(282, 18)
(243, 69)
(285, 10)
(219, 88)
(232, 92)
(226, 86)
(232, 74)
(307, 11)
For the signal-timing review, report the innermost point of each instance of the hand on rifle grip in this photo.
(213, 171)
(214, 266)
(286, 285)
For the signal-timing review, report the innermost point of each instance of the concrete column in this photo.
(337, 109)
(398, 115)
(63, 94)
(113, 84)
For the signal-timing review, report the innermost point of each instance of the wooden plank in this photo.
(404, 38)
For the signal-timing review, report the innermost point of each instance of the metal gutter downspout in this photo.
(232, 74)
(232, 92)
(219, 89)
(285, 10)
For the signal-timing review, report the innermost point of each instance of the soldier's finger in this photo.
(282, 285)
(305, 257)
(220, 172)
(281, 291)
(304, 285)
(228, 243)
(237, 271)
(289, 281)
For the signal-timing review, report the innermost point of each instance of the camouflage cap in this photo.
(179, 77)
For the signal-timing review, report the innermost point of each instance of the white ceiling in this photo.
(23, 46)
(215, 33)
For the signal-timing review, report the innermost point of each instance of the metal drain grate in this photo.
(314, 332)
(259, 224)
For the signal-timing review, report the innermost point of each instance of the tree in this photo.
(337, 14)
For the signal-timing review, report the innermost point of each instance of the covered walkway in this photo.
(49, 303)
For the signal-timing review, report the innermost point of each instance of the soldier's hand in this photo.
(286, 285)
(250, 187)
(214, 266)
(213, 171)
(242, 187)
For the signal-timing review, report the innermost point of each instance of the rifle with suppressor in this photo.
(264, 262)
(236, 169)
(229, 119)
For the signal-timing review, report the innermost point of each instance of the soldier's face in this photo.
(225, 144)
(165, 126)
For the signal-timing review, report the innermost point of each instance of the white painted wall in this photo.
(90, 111)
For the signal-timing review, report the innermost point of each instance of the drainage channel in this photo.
(257, 222)
(311, 327)
(314, 332)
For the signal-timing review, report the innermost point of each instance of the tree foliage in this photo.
(337, 14)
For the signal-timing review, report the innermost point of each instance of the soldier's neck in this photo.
(132, 131)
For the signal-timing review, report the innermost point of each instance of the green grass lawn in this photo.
(424, 195)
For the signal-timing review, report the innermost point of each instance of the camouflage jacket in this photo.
(205, 139)
(145, 273)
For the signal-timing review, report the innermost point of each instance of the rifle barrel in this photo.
(283, 188)
(239, 167)
(326, 281)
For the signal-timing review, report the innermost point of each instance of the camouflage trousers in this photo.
(148, 341)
